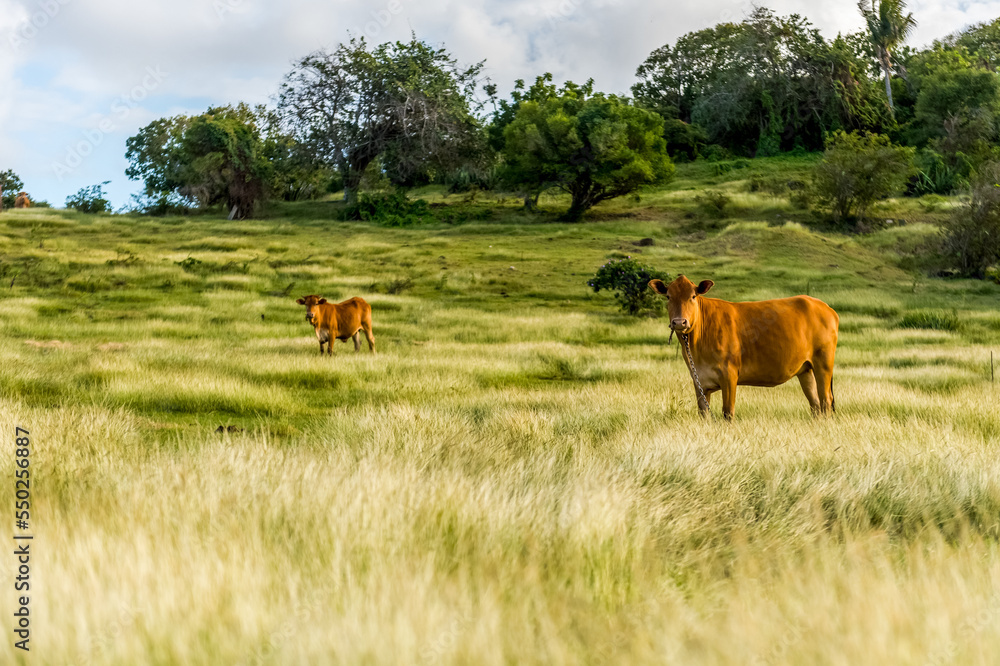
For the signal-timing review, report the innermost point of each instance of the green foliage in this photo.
(684, 140)
(217, 157)
(408, 104)
(629, 280)
(764, 85)
(957, 108)
(594, 148)
(859, 169)
(11, 184)
(972, 235)
(90, 199)
(389, 209)
(939, 174)
(931, 319)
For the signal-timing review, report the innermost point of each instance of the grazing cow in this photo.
(341, 321)
(22, 200)
(762, 343)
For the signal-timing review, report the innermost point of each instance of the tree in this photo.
(859, 169)
(505, 112)
(764, 85)
(407, 104)
(980, 41)
(216, 157)
(888, 28)
(10, 185)
(972, 236)
(90, 199)
(957, 104)
(594, 148)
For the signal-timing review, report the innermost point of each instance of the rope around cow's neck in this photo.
(686, 339)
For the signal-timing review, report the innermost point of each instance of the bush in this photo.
(972, 235)
(713, 202)
(859, 169)
(938, 174)
(390, 209)
(90, 199)
(684, 140)
(629, 280)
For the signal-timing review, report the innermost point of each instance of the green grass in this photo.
(519, 475)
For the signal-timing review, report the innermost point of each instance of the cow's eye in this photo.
(694, 297)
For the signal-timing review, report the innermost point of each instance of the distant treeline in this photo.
(407, 113)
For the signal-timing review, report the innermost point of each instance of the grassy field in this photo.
(520, 474)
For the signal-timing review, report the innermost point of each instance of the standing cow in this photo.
(340, 321)
(762, 343)
(22, 200)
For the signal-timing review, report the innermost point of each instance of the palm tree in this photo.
(887, 29)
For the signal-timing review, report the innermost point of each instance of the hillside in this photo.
(520, 474)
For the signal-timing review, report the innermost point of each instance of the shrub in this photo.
(629, 280)
(713, 202)
(939, 174)
(684, 140)
(90, 199)
(972, 235)
(859, 169)
(390, 209)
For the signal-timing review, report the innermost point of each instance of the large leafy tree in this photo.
(408, 105)
(980, 41)
(888, 28)
(761, 86)
(216, 157)
(594, 148)
(10, 185)
(505, 112)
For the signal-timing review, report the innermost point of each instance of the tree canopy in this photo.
(593, 147)
(764, 85)
(407, 104)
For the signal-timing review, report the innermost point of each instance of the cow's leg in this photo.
(357, 341)
(704, 406)
(321, 346)
(808, 381)
(366, 326)
(823, 368)
(729, 394)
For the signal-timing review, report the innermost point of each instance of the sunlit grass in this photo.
(519, 475)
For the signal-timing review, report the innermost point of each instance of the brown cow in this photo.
(22, 200)
(341, 321)
(762, 343)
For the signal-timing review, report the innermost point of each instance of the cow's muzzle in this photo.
(680, 325)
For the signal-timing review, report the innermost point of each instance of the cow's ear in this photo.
(658, 286)
(704, 286)
(322, 301)
(301, 301)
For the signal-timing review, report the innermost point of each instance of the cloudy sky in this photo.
(78, 77)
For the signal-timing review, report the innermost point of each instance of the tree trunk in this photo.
(888, 88)
(352, 179)
(351, 184)
(581, 203)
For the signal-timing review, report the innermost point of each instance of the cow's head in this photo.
(683, 307)
(312, 304)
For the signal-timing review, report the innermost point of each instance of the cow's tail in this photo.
(833, 397)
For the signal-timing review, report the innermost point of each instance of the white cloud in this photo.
(77, 58)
